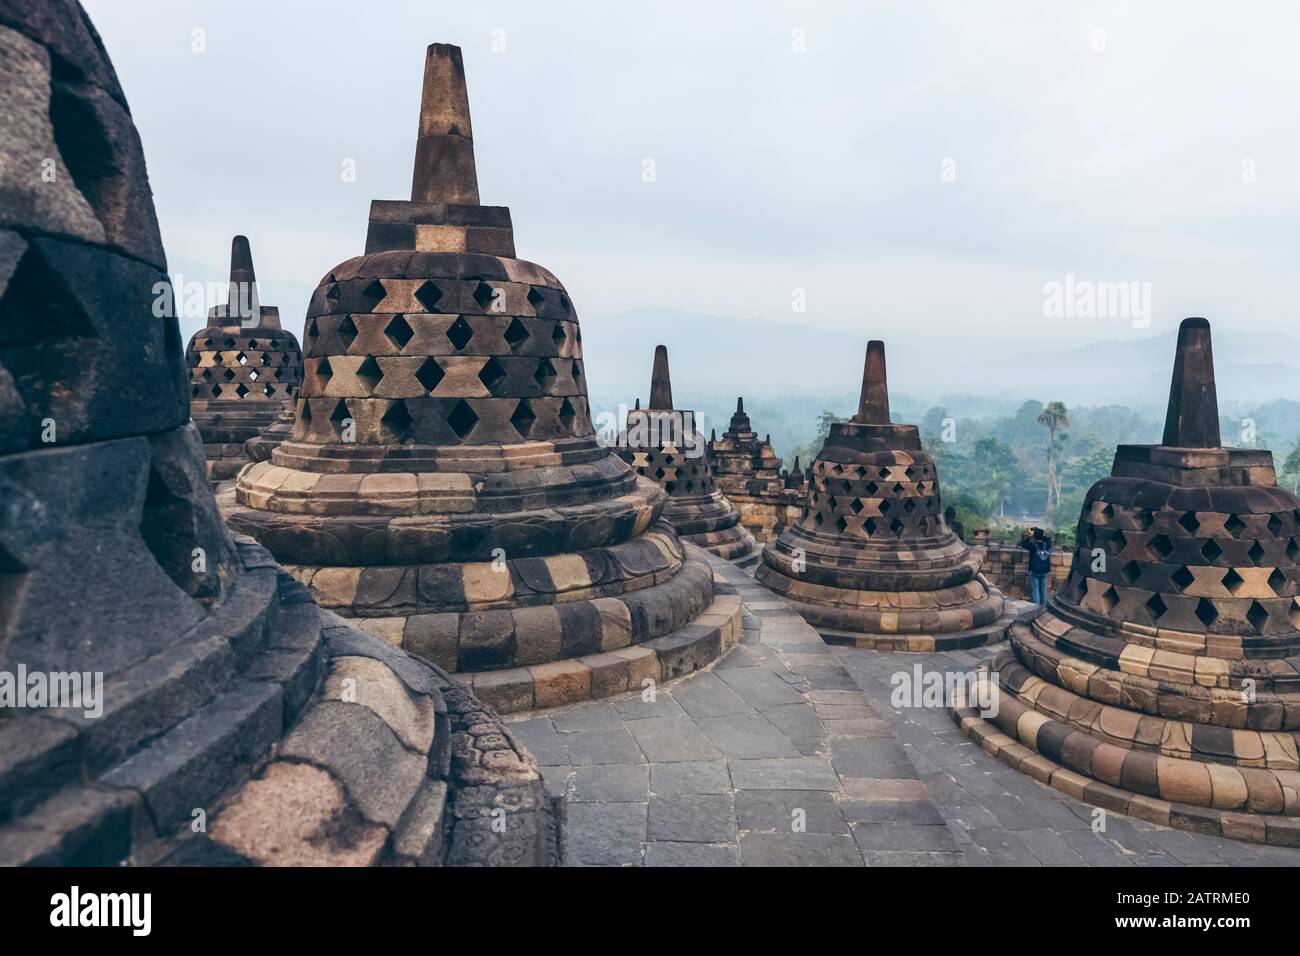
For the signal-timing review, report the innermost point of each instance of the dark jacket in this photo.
(1040, 554)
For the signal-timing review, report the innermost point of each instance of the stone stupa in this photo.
(444, 485)
(748, 472)
(661, 442)
(871, 562)
(1162, 680)
(244, 370)
(206, 711)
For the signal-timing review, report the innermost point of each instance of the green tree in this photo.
(1055, 416)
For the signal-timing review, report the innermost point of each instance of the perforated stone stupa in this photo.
(663, 445)
(1162, 680)
(201, 681)
(244, 369)
(748, 472)
(443, 484)
(871, 561)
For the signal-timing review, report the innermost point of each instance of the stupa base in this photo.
(1235, 783)
(921, 643)
(734, 544)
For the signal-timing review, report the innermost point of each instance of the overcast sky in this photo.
(795, 146)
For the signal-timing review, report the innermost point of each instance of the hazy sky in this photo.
(1151, 142)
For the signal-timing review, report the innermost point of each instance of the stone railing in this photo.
(1007, 566)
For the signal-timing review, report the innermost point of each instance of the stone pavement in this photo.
(772, 757)
(721, 767)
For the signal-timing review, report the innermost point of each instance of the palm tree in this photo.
(1054, 416)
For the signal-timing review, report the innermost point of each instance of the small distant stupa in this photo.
(661, 442)
(871, 562)
(748, 472)
(244, 369)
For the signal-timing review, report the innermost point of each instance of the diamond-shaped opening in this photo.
(558, 335)
(428, 296)
(216, 391)
(898, 488)
(659, 474)
(818, 518)
(1105, 513)
(1182, 578)
(1274, 526)
(492, 374)
(1293, 550)
(252, 346)
(1256, 553)
(856, 506)
(268, 390)
(1277, 581)
(347, 332)
(373, 294)
(896, 526)
(841, 525)
(266, 359)
(207, 375)
(312, 330)
(545, 373)
(1257, 615)
(516, 333)
(1156, 606)
(462, 419)
(241, 358)
(910, 473)
(1294, 613)
(396, 421)
(429, 374)
(253, 375)
(399, 332)
(576, 371)
(484, 294)
(523, 418)
(1234, 525)
(885, 506)
(1142, 518)
(1109, 599)
(323, 371)
(567, 414)
(1211, 551)
(1162, 546)
(1131, 572)
(1232, 581)
(535, 298)
(1116, 543)
(909, 506)
(870, 489)
(228, 375)
(304, 410)
(230, 344)
(339, 416)
(884, 473)
(564, 303)
(1189, 522)
(459, 333)
(1206, 612)
(333, 294)
(370, 373)
(869, 526)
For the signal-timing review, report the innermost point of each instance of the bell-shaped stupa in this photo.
(748, 472)
(156, 673)
(444, 485)
(244, 369)
(662, 443)
(1161, 680)
(871, 561)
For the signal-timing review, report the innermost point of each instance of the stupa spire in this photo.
(873, 404)
(661, 386)
(1192, 420)
(444, 150)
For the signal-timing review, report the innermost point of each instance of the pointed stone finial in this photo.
(1192, 420)
(796, 462)
(661, 386)
(241, 299)
(637, 408)
(713, 435)
(873, 404)
(740, 406)
(444, 151)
